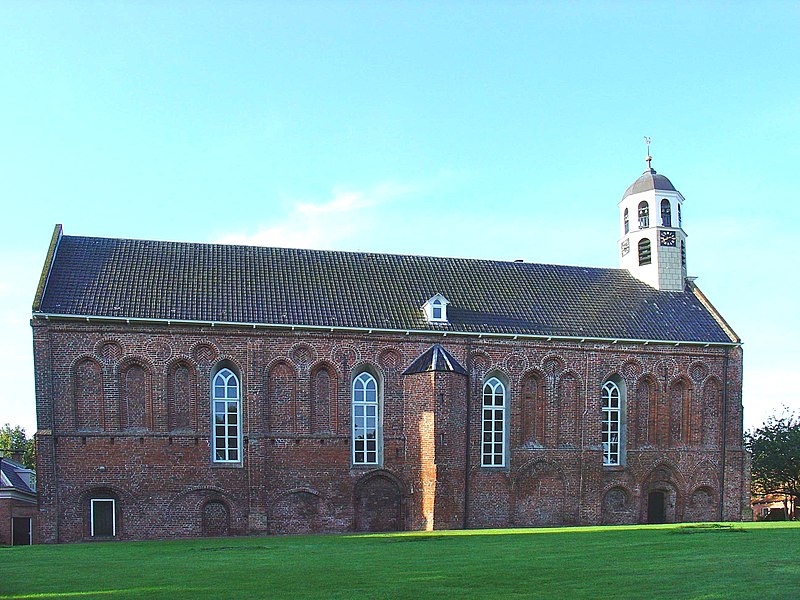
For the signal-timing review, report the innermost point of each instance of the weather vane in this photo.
(649, 158)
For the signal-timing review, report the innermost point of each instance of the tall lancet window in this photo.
(225, 397)
(493, 451)
(366, 420)
(612, 423)
(644, 215)
(625, 222)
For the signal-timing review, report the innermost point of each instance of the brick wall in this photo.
(124, 413)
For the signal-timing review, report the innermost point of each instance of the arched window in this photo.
(493, 445)
(366, 420)
(611, 398)
(644, 215)
(625, 223)
(225, 401)
(680, 221)
(436, 310)
(666, 213)
(645, 255)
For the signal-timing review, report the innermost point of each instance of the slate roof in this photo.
(9, 470)
(140, 279)
(435, 358)
(649, 180)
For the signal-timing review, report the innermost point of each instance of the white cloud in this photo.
(346, 215)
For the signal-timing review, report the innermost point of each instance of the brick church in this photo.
(191, 389)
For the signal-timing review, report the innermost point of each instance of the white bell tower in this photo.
(652, 243)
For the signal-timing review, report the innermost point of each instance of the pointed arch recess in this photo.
(282, 397)
(88, 394)
(181, 396)
(324, 398)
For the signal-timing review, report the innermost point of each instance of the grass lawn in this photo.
(742, 560)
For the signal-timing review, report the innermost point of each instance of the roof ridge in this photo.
(342, 252)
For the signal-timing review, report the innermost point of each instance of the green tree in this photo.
(13, 439)
(775, 447)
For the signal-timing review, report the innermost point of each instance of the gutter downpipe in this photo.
(467, 422)
(724, 436)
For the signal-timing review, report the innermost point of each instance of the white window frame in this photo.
(113, 515)
(494, 427)
(611, 399)
(366, 420)
(226, 413)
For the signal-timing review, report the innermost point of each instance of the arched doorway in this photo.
(657, 507)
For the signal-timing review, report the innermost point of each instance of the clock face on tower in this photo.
(667, 238)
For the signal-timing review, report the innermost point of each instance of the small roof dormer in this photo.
(435, 309)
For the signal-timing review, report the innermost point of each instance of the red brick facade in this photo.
(124, 413)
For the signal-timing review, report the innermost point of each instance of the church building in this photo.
(189, 389)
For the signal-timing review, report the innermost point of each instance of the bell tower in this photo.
(652, 242)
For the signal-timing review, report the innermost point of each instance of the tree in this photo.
(13, 440)
(775, 447)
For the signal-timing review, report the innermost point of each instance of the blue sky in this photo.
(499, 130)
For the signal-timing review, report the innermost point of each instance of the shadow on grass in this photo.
(708, 528)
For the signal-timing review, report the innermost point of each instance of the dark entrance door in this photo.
(656, 507)
(21, 531)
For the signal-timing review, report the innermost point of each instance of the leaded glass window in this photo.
(366, 422)
(493, 444)
(612, 410)
(225, 401)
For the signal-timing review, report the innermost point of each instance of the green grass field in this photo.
(742, 560)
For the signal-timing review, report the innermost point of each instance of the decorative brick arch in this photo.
(300, 510)
(182, 394)
(650, 418)
(617, 505)
(280, 408)
(539, 493)
(187, 513)
(78, 506)
(529, 415)
(663, 478)
(379, 502)
(568, 409)
(135, 385)
(324, 398)
(88, 394)
(702, 504)
(679, 411)
(711, 402)
(302, 355)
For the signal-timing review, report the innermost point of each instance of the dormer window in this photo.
(435, 309)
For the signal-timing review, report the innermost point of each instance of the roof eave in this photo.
(369, 330)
